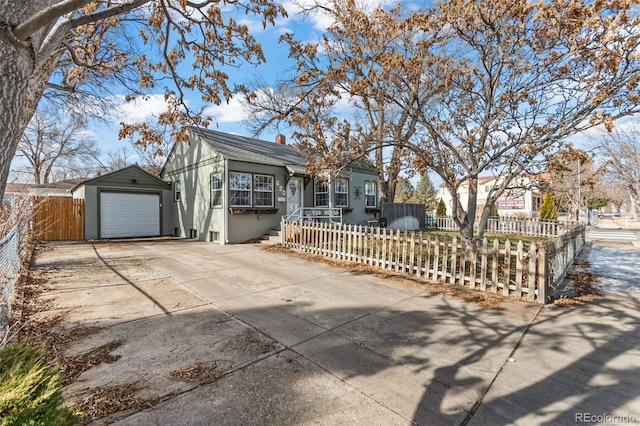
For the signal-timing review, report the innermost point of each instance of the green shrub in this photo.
(30, 390)
(548, 209)
(441, 210)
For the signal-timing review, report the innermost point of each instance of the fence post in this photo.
(495, 254)
(483, 264)
(463, 263)
(445, 258)
(473, 264)
(507, 267)
(519, 268)
(543, 273)
(532, 273)
(454, 259)
(420, 254)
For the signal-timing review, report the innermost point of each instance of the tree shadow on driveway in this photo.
(318, 351)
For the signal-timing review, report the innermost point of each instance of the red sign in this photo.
(510, 202)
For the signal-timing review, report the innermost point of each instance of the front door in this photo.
(294, 195)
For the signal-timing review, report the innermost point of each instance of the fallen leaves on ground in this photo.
(584, 288)
(199, 373)
(484, 299)
(105, 401)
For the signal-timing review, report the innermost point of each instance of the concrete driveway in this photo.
(213, 334)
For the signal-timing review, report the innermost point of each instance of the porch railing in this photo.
(333, 215)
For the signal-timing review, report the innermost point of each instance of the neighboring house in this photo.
(523, 200)
(126, 203)
(232, 189)
(14, 190)
(55, 189)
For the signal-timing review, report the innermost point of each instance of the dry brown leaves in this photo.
(200, 373)
(487, 300)
(111, 400)
(43, 326)
(250, 341)
(72, 367)
(583, 285)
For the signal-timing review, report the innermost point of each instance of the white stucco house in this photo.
(523, 200)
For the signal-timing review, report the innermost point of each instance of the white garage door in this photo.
(129, 215)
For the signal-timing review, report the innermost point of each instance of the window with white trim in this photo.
(341, 187)
(239, 189)
(216, 189)
(370, 193)
(263, 191)
(321, 194)
(177, 191)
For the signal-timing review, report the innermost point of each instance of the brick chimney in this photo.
(281, 139)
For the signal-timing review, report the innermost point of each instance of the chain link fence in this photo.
(9, 275)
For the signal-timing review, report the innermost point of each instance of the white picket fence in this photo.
(509, 267)
(515, 226)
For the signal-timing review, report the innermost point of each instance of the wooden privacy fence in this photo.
(58, 218)
(499, 266)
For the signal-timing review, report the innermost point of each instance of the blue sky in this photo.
(229, 117)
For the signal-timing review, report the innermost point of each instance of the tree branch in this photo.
(29, 27)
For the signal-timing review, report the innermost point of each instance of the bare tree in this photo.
(51, 142)
(404, 190)
(361, 61)
(621, 147)
(574, 178)
(55, 46)
(521, 78)
(494, 86)
(152, 157)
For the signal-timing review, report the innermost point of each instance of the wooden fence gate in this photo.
(58, 218)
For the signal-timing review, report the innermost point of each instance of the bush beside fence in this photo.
(512, 268)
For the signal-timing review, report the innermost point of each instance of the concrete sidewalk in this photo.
(578, 364)
(287, 341)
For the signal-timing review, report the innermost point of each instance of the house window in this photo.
(216, 189)
(487, 188)
(239, 189)
(321, 194)
(370, 192)
(177, 191)
(263, 190)
(342, 192)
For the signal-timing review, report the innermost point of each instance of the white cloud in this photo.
(138, 110)
(231, 112)
(321, 19)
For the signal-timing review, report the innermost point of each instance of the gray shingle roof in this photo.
(241, 148)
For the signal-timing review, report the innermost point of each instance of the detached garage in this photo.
(126, 203)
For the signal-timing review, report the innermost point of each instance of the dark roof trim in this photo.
(98, 179)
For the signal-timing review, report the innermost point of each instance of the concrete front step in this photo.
(271, 238)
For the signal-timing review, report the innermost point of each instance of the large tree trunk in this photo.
(24, 72)
(16, 108)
